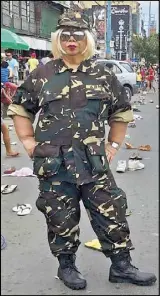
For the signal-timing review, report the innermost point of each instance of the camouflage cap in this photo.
(73, 19)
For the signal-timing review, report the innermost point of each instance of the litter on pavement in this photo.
(24, 172)
(141, 147)
(6, 189)
(10, 170)
(135, 116)
(22, 210)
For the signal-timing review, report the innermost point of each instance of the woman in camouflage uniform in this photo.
(75, 97)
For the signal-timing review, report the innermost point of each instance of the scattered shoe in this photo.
(121, 167)
(136, 110)
(135, 116)
(24, 210)
(129, 146)
(18, 207)
(151, 101)
(144, 148)
(134, 165)
(144, 93)
(3, 187)
(135, 156)
(8, 189)
(132, 124)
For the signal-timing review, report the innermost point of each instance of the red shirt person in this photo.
(151, 74)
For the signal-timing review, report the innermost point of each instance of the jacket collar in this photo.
(86, 66)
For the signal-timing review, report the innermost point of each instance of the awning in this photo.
(11, 40)
(36, 43)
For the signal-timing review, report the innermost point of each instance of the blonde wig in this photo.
(58, 52)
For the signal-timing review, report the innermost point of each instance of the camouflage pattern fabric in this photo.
(106, 207)
(73, 19)
(74, 107)
(69, 158)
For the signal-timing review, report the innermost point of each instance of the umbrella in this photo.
(12, 40)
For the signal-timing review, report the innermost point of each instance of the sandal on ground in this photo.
(129, 146)
(24, 211)
(144, 148)
(3, 187)
(135, 156)
(9, 189)
(18, 207)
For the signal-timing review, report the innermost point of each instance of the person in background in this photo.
(8, 91)
(13, 65)
(40, 61)
(33, 62)
(151, 78)
(16, 71)
(26, 70)
(139, 79)
(47, 59)
(6, 140)
(4, 128)
(5, 72)
(143, 74)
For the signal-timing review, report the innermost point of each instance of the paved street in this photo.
(27, 264)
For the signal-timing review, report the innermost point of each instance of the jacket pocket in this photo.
(47, 160)
(97, 157)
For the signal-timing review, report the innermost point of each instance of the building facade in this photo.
(33, 20)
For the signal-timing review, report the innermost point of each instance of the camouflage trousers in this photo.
(105, 204)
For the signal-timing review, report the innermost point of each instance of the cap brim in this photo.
(73, 25)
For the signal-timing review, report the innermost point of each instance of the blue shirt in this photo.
(12, 63)
(4, 75)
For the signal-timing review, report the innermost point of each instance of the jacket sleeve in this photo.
(26, 100)
(119, 107)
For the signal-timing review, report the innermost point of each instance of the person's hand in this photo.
(29, 145)
(110, 152)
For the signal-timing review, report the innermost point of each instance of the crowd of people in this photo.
(146, 77)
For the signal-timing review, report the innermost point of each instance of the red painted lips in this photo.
(72, 47)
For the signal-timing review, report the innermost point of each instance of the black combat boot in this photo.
(69, 273)
(122, 271)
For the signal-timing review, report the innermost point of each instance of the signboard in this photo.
(99, 21)
(120, 24)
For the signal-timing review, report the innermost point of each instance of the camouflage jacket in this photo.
(74, 105)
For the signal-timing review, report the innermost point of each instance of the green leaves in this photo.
(147, 48)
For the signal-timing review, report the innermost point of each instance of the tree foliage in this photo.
(147, 48)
